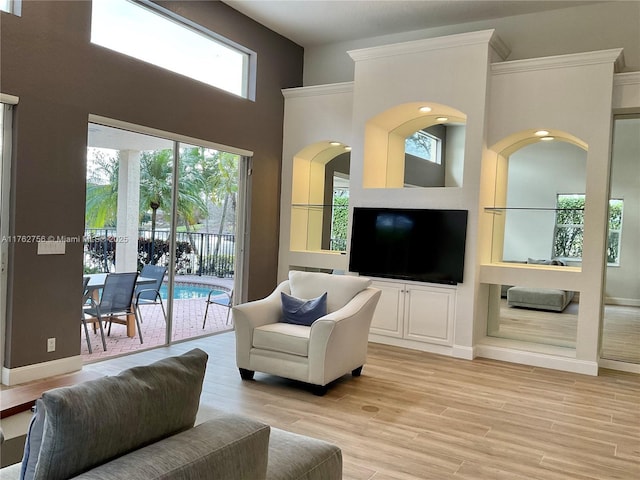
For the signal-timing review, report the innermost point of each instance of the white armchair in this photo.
(331, 347)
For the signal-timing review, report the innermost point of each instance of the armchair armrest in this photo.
(250, 315)
(338, 341)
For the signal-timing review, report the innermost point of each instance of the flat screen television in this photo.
(409, 244)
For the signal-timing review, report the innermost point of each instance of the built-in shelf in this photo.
(499, 210)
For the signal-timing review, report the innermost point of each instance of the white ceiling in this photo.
(316, 22)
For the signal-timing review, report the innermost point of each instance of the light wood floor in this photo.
(417, 416)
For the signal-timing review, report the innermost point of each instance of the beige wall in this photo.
(570, 30)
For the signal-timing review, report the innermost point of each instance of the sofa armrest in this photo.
(338, 341)
(250, 315)
(229, 446)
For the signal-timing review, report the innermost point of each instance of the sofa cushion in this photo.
(340, 288)
(33, 443)
(283, 337)
(95, 421)
(227, 447)
(303, 312)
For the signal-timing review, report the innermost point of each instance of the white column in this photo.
(128, 211)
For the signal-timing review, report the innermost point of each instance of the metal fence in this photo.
(196, 253)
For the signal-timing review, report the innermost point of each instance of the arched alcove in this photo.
(387, 163)
(315, 170)
(534, 170)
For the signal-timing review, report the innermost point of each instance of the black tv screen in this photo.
(409, 244)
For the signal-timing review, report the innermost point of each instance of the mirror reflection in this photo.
(336, 201)
(537, 315)
(434, 156)
(544, 197)
(621, 323)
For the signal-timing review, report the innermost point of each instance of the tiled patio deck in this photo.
(187, 323)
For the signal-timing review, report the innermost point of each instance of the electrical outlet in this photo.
(51, 344)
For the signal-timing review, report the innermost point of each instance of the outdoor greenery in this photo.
(205, 177)
(340, 220)
(569, 232)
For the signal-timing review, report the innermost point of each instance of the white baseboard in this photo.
(536, 359)
(28, 373)
(620, 366)
(466, 353)
(412, 344)
(626, 302)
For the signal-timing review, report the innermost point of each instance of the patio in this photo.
(187, 323)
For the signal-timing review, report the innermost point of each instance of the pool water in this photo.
(185, 292)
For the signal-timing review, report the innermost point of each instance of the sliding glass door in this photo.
(166, 209)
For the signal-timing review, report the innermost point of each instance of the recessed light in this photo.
(335, 144)
(425, 109)
(541, 133)
(547, 139)
(348, 149)
(441, 119)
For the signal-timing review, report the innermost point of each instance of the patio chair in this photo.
(150, 294)
(86, 297)
(219, 295)
(116, 301)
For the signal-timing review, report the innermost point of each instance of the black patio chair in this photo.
(150, 294)
(86, 297)
(117, 301)
(219, 295)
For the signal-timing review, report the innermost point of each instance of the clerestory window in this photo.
(424, 145)
(148, 32)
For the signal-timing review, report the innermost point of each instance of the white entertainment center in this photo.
(491, 108)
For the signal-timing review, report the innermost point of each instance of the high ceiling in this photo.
(316, 22)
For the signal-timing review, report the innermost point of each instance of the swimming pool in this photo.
(185, 292)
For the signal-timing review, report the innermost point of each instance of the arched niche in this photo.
(388, 165)
(533, 169)
(314, 169)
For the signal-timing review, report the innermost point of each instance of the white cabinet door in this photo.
(429, 314)
(387, 319)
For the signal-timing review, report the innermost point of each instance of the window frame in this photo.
(13, 7)
(436, 142)
(580, 226)
(249, 57)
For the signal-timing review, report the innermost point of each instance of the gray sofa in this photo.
(140, 425)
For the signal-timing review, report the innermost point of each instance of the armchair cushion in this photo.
(303, 312)
(340, 288)
(283, 337)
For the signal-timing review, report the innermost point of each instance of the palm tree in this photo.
(102, 190)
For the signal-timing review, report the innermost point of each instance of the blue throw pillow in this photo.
(303, 312)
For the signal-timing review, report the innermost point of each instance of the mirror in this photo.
(336, 200)
(434, 156)
(543, 198)
(536, 315)
(621, 321)
(320, 197)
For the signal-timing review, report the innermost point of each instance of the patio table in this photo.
(96, 283)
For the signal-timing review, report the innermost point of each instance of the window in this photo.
(423, 145)
(339, 214)
(155, 35)
(11, 6)
(569, 230)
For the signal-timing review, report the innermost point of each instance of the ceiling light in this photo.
(335, 144)
(425, 109)
(547, 139)
(541, 133)
(441, 119)
(348, 149)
